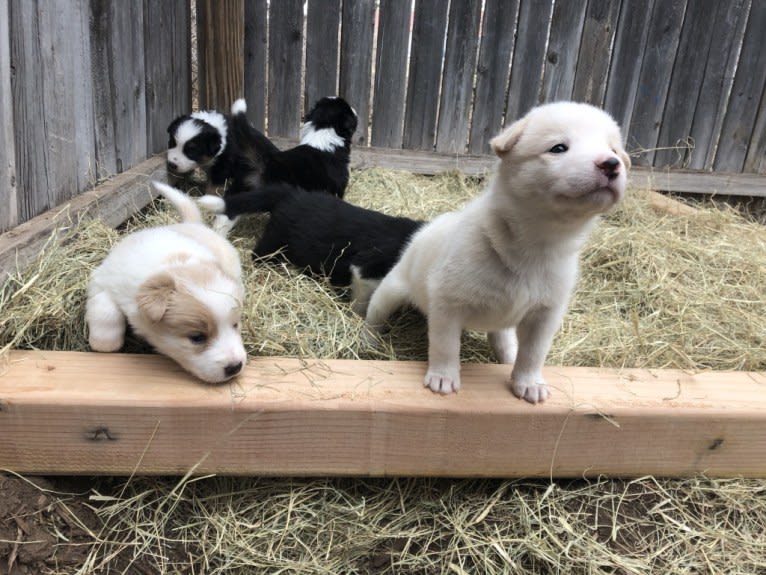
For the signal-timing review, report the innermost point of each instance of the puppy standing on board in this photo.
(348, 244)
(235, 155)
(507, 262)
(179, 287)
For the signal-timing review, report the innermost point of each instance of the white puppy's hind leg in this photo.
(535, 334)
(443, 374)
(223, 225)
(504, 344)
(361, 291)
(390, 295)
(106, 323)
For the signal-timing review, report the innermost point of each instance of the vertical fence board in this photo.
(322, 28)
(168, 67)
(528, 57)
(428, 32)
(221, 52)
(285, 62)
(595, 51)
(492, 72)
(457, 81)
(357, 31)
(654, 79)
(28, 110)
(9, 215)
(746, 92)
(726, 38)
(685, 83)
(390, 73)
(627, 54)
(756, 152)
(256, 70)
(561, 57)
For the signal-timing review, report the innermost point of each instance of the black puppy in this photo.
(350, 245)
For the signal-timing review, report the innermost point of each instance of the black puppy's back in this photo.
(323, 233)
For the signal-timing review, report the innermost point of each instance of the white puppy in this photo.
(179, 286)
(507, 262)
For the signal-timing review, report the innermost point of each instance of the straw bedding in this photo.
(657, 290)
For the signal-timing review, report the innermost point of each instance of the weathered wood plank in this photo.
(113, 202)
(756, 152)
(143, 415)
(627, 55)
(221, 52)
(492, 72)
(428, 32)
(356, 61)
(167, 45)
(595, 51)
(285, 67)
(725, 40)
(457, 79)
(9, 215)
(322, 46)
(685, 84)
(390, 73)
(528, 58)
(561, 57)
(256, 70)
(745, 97)
(654, 79)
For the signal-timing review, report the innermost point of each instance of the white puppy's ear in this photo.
(505, 140)
(153, 297)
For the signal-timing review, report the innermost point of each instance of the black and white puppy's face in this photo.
(195, 140)
(329, 125)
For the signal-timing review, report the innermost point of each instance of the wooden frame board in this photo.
(91, 413)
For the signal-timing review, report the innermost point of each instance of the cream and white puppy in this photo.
(507, 263)
(179, 287)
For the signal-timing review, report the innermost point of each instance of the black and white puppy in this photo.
(350, 245)
(233, 153)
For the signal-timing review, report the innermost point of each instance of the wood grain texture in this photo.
(748, 87)
(561, 56)
(256, 70)
(458, 76)
(492, 72)
(9, 215)
(354, 85)
(322, 48)
(528, 57)
(168, 67)
(428, 33)
(285, 67)
(595, 50)
(654, 78)
(390, 73)
(120, 414)
(221, 52)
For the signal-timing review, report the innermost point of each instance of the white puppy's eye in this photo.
(236, 325)
(198, 338)
(559, 149)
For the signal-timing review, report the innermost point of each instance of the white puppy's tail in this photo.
(239, 107)
(181, 202)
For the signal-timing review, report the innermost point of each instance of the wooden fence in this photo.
(94, 83)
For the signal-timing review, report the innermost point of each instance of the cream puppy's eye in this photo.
(559, 149)
(198, 338)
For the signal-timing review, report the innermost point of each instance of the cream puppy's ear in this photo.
(153, 296)
(505, 140)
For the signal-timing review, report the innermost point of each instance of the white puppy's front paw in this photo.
(444, 381)
(532, 389)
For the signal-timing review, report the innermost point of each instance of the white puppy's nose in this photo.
(610, 167)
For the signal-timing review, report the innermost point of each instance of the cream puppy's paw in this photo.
(532, 389)
(444, 381)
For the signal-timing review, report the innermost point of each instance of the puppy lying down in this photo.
(350, 245)
(179, 287)
(507, 263)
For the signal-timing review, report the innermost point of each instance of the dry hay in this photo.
(656, 291)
